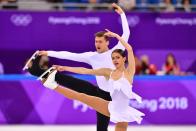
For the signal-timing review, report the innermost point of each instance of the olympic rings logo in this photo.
(21, 19)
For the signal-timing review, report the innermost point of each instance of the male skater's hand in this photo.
(117, 8)
(43, 52)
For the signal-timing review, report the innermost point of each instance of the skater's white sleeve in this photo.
(79, 57)
(126, 32)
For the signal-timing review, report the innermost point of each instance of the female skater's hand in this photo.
(117, 8)
(110, 34)
(59, 68)
(43, 52)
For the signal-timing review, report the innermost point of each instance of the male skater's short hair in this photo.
(102, 34)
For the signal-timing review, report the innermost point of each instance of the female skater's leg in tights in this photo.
(97, 103)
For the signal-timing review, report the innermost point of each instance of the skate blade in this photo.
(50, 70)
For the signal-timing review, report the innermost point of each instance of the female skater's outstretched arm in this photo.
(81, 70)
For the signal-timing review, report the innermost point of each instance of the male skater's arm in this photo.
(125, 27)
(79, 57)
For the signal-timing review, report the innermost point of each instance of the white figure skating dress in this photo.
(121, 92)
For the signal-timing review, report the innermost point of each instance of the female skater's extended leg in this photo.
(99, 104)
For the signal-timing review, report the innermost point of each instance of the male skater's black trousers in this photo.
(79, 86)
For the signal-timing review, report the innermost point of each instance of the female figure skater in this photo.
(119, 84)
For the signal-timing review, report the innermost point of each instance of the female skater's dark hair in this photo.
(122, 53)
(36, 69)
(119, 51)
